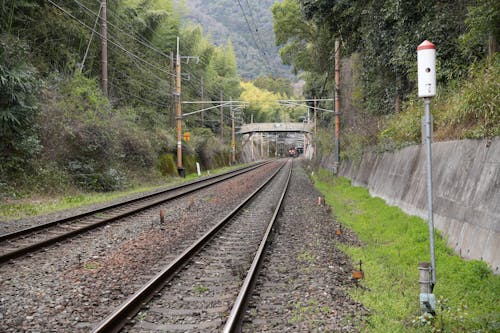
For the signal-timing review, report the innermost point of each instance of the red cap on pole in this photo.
(426, 45)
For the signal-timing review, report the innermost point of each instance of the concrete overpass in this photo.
(276, 127)
(264, 140)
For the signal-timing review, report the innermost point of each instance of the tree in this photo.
(19, 88)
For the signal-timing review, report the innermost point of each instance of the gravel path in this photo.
(71, 287)
(304, 279)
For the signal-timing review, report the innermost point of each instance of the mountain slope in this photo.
(255, 50)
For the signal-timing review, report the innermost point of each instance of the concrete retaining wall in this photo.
(466, 190)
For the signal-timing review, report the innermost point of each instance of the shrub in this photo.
(166, 165)
(87, 176)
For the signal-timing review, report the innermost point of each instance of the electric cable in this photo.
(129, 94)
(140, 41)
(253, 38)
(109, 40)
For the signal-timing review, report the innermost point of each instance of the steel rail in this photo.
(26, 231)
(233, 324)
(127, 310)
(49, 241)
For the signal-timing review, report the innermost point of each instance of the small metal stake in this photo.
(162, 216)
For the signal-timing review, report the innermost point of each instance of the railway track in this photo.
(207, 286)
(25, 241)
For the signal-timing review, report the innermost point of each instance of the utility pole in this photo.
(221, 118)
(180, 169)
(172, 90)
(202, 104)
(104, 48)
(233, 139)
(337, 104)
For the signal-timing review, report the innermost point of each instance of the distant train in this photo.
(295, 151)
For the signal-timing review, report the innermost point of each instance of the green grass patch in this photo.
(394, 244)
(201, 289)
(25, 207)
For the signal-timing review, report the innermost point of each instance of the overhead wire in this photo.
(126, 92)
(253, 37)
(108, 39)
(256, 25)
(140, 41)
(142, 84)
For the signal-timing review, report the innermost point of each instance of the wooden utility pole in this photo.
(202, 104)
(172, 91)
(104, 48)
(180, 169)
(337, 103)
(221, 118)
(233, 138)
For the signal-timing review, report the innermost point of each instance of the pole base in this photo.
(182, 172)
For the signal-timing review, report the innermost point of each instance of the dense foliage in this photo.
(58, 130)
(379, 40)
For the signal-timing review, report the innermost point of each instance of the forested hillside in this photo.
(379, 70)
(59, 131)
(248, 23)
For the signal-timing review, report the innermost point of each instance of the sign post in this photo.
(426, 61)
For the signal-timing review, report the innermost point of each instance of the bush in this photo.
(474, 109)
(190, 163)
(468, 109)
(90, 178)
(166, 165)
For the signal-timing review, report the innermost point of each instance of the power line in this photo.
(259, 35)
(129, 26)
(129, 94)
(134, 80)
(109, 40)
(140, 41)
(253, 37)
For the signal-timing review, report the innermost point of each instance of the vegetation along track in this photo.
(22, 242)
(195, 291)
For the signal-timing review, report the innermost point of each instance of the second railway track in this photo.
(25, 241)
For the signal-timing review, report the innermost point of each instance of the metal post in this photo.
(427, 298)
(251, 146)
(337, 103)
(233, 138)
(180, 169)
(221, 119)
(104, 48)
(202, 104)
(428, 142)
(315, 130)
(261, 145)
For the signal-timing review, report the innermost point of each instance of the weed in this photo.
(306, 256)
(141, 316)
(91, 265)
(200, 289)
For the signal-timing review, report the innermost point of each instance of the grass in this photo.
(394, 243)
(33, 206)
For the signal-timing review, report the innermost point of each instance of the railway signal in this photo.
(426, 63)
